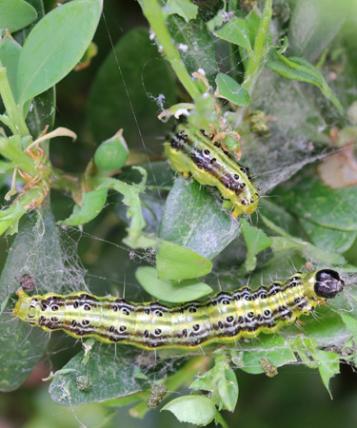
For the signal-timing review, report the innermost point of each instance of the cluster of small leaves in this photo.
(231, 95)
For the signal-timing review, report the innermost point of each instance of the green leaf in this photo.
(309, 251)
(287, 242)
(236, 32)
(256, 241)
(128, 96)
(252, 21)
(328, 363)
(42, 110)
(312, 200)
(55, 45)
(185, 8)
(231, 90)
(168, 291)
(228, 390)
(299, 69)
(16, 14)
(329, 239)
(174, 262)
(9, 58)
(11, 215)
(94, 201)
(91, 205)
(195, 409)
(194, 219)
(329, 366)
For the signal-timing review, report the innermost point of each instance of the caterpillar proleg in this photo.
(226, 317)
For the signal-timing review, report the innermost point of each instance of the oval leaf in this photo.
(185, 8)
(16, 14)
(194, 409)
(194, 219)
(55, 45)
(231, 90)
(9, 58)
(236, 32)
(176, 263)
(168, 291)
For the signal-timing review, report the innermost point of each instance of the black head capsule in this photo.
(328, 283)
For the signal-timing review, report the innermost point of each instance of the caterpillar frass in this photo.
(224, 318)
(192, 153)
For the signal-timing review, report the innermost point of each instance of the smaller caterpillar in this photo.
(226, 317)
(192, 153)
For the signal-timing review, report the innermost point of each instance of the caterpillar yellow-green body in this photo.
(191, 153)
(226, 317)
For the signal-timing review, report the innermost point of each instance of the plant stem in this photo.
(256, 60)
(154, 14)
(18, 124)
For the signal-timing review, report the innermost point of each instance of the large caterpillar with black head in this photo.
(191, 153)
(225, 317)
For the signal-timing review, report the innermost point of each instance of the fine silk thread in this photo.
(193, 154)
(226, 317)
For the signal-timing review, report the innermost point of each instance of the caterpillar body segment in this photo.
(191, 153)
(226, 317)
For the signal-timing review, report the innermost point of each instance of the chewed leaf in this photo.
(176, 263)
(231, 90)
(256, 241)
(350, 323)
(131, 198)
(92, 204)
(299, 69)
(328, 365)
(169, 291)
(195, 409)
(221, 381)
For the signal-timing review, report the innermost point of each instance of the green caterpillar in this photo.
(225, 317)
(192, 153)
